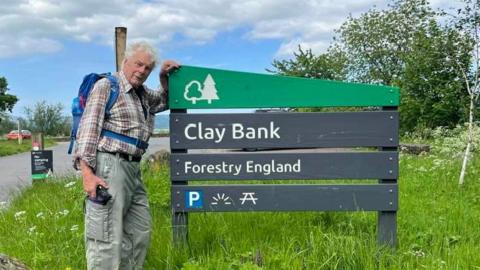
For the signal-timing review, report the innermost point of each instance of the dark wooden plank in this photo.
(283, 130)
(230, 198)
(261, 166)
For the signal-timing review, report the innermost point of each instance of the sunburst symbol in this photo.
(221, 199)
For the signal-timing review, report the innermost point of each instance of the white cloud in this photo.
(40, 26)
(27, 45)
(287, 48)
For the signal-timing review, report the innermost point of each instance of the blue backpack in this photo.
(79, 103)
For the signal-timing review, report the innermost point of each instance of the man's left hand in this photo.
(168, 66)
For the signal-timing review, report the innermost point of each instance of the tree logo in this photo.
(194, 90)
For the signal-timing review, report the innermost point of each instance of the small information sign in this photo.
(42, 164)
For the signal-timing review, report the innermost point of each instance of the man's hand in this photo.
(167, 67)
(90, 180)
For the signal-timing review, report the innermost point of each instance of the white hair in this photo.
(142, 46)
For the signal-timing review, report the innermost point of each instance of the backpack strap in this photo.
(114, 92)
(124, 138)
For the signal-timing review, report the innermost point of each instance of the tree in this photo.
(65, 126)
(432, 91)
(403, 45)
(45, 118)
(467, 22)
(329, 66)
(376, 43)
(406, 46)
(6, 102)
(7, 124)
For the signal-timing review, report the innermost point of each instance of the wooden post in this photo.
(37, 142)
(120, 45)
(387, 220)
(20, 136)
(42, 141)
(179, 219)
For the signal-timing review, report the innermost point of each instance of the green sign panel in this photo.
(205, 88)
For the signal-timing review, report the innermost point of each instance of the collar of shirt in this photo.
(125, 86)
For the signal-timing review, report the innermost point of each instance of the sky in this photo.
(47, 46)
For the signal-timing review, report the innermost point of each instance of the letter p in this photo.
(194, 199)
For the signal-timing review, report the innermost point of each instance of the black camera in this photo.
(102, 196)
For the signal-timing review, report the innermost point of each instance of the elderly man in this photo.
(108, 153)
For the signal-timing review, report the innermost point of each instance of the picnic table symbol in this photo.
(207, 92)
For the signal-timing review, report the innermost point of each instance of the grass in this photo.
(437, 228)
(11, 147)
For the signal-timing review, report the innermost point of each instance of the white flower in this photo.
(74, 228)
(70, 184)
(3, 205)
(40, 215)
(64, 212)
(32, 230)
(422, 169)
(19, 214)
(418, 253)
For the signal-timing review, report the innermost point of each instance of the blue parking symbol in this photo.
(194, 199)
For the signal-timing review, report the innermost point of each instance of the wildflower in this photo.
(438, 162)
(64, 212)
(74, 228)
(422, 169)
(3, 204)
(32, 230)
(40, 215)
(70, 184)
(418, 253)
(19, 214)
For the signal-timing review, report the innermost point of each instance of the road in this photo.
(17, 173)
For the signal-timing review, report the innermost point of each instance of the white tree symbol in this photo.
(208, 92)
(188, 91)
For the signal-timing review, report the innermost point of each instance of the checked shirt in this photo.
(127, 117)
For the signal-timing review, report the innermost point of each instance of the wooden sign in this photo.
(359, 165)
(205, 88)
(224, 198)
(283, 130)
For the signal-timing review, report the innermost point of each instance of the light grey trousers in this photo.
(117, 235)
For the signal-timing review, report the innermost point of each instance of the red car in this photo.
(13, 135)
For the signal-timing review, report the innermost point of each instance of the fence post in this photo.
(120, 45)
